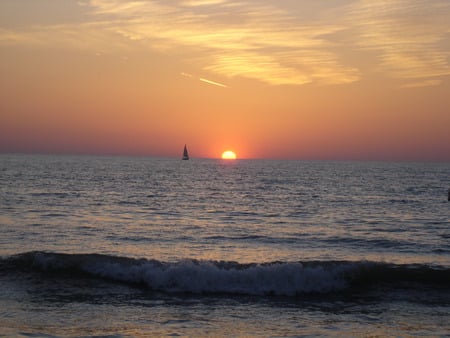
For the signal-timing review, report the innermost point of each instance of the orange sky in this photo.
(326, 79)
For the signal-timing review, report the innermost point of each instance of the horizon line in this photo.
(105, 154)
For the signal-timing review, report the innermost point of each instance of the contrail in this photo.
(213, 83)
(204, 80)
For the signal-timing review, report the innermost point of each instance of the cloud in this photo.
(186, 74)
(410, 37)
(278, 43)
(91, 37)
(193, 3)
(233, 39)
(425, 83)
(11, 37)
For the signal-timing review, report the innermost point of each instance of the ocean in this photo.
(139, 247)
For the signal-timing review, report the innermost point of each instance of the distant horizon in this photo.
(131, 155)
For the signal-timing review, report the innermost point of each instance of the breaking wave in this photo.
(224, 277)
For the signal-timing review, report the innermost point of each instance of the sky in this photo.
(284, 79)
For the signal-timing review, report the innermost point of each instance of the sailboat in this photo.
(185, 153)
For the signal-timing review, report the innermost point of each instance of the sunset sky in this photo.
(294, 79)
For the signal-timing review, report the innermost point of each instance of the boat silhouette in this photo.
(185, 154)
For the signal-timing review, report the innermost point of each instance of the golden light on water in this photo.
(228, 155)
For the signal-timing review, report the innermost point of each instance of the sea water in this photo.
(138, 247)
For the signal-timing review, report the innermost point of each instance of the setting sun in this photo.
(228, 155)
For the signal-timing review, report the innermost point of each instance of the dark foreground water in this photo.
(137, 247)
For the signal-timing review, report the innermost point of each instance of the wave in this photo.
(225, 277)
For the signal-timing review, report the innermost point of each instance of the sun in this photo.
(228, 155)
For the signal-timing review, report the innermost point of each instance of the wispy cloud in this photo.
(410, 37)
(91, 37)
(202, 2)
(273, 42)
(233, 38)
(424, 83)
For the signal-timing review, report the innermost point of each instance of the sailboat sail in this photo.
(185, 153)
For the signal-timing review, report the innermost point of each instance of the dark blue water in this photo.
(95, 246)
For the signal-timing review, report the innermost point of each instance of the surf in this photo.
(228, 277)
